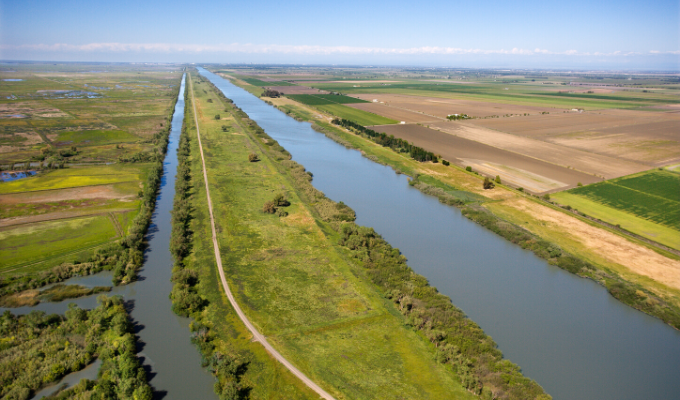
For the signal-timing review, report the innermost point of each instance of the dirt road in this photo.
(257, 336)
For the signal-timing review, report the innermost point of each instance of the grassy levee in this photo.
(316, 296)
(524, 225)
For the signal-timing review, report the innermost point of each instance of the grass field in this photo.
(94, 137)
(257, 82)
(42, 241)
(652, 195)
(75, 177)
(319, 99)
(358, 116)
(296, 286)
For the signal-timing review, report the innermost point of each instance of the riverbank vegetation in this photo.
(93, 214)
(37, 350)
(312, 296)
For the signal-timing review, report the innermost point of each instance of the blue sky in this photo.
(531, 34)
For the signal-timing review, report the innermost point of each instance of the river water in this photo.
(567, 333)
(172, 362)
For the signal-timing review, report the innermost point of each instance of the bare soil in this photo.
(86, 192)
(442, 107)
(394, 112)
(458, 149)
(575, 159)
(636, 258)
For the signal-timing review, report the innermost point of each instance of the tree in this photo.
(269, 207)
(498, 179)
(217, 116)
(488, 184)
(252, 157)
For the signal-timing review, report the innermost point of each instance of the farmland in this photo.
(321, 99)
(647, 203)
(94, 138)
(358, 116)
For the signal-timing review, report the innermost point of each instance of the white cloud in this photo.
(302, 49)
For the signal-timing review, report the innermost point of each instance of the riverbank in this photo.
(347, 314)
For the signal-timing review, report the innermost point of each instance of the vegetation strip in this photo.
(257, 336)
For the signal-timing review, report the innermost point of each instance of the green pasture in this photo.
(320, 99)
(296, 285)
(33, 243)
(257, 82)
(94, 137)
(359, 116)
(76, 177)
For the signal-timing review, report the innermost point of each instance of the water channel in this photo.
(165, 346)
(565, 332)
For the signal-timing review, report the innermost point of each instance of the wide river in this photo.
(567, 333)
(172, 362)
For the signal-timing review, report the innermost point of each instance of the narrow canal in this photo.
(165, 346)
(565, 332)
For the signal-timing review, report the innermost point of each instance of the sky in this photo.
(603, 34)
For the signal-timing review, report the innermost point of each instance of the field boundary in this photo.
(257, 336)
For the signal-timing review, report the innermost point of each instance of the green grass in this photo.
(94, 137)
(28, 244)
(659, 233)
(297, 286)
(319, 99)
(257, 82)
(76, 177)
(359, 116)
(652, 195)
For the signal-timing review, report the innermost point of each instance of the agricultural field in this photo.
(91, 136)
(266, 83)
(321, 99)
(358, 116)
(520, 171)
(652, 196)
(294, 284)
(396, 113)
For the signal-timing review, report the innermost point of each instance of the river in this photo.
(567, 333)
(173, 364)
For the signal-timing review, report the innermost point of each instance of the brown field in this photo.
(613, 248)
(80, 193)
(596, 164)
(394, 112)
(529, 173)
(650, 138)
(442, 107)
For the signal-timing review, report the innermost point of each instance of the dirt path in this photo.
(257, 336)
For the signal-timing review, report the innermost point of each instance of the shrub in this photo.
(281, 201)
(252, 157)
(488, 184)
(521, 189)
(217, 116)
(225, 128)
(579, 184)
(468, 168)
(498, 179)
(446, 163)
(546, 197)
(269, 207)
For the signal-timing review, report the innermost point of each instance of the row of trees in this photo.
(396, 144)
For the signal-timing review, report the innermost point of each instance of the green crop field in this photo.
(75, 177)
(639, 195)
(257, 82)
(33, 243)
(359, 116)
(94, 137)
(320, 99)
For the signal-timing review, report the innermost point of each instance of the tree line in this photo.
(396, 144)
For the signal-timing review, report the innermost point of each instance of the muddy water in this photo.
(565, 332)
(166, 350)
